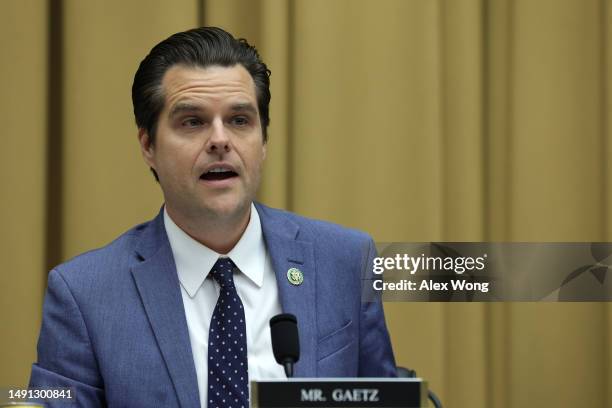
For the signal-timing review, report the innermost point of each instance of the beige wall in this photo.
(414, 120)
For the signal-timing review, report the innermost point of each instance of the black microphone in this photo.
(285, 341)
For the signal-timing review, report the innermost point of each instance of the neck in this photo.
(220, 235)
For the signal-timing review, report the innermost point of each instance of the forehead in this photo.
(210, 85)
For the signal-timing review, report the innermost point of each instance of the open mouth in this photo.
(218, 174)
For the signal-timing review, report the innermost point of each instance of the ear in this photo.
(146, 147)
(264, 150)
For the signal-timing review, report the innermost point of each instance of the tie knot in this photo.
(223, 272)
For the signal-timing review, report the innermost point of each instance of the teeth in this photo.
(218, 170)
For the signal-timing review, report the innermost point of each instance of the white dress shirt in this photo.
(255, 284)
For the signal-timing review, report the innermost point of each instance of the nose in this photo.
(218, 141)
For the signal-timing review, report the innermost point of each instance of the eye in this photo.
(240, 121)
(191, 122)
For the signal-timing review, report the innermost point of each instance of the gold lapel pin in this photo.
(295, 276)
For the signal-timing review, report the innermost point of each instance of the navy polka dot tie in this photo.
(228, 373)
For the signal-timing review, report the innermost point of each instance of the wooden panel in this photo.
(556, 138)
(23, 75)
(462, 120)
(367, 125)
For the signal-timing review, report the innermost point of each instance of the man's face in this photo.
(209, 147)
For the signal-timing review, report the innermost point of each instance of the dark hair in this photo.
(199, 47)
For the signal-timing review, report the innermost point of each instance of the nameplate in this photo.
(339, 392)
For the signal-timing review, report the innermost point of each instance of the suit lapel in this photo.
(159, 289)
(280, 234)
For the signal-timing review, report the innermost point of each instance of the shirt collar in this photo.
(194, 260)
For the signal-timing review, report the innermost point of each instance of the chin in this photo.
(228, 209)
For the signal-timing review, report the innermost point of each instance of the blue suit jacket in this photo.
(114, 326)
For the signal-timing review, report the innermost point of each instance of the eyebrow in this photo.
(183, 107)
(244, 107)
(186, 107)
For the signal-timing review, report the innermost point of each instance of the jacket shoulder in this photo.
(318, 230)
(114, 257)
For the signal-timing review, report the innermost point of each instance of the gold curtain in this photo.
(415, 120)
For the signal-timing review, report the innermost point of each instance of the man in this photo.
(175, 312)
